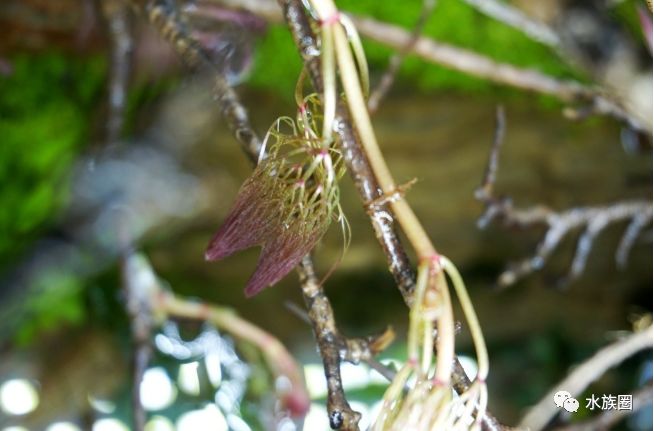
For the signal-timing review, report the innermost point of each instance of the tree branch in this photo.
(120, 35)
(359, 169)
(396, 60)
(156, 304)
(593, 100)
(330, 344)
(559, 224)
(139, 311)
(137, 306)
(509, 15)
(583, 375)
(483, 67)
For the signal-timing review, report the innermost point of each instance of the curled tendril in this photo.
(288, 202)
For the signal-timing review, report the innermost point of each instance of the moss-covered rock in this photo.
(44, 119)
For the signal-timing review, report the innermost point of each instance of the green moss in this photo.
(44, 118)
(277, 63)
(59, 301)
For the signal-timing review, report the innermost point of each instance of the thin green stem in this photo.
(471, 316)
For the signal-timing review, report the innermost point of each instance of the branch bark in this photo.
(359, 169)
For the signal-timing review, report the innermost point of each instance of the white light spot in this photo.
(314, 375)
(163, 343)
(375, 410)
(214, 371)
(102, 406)
(209, 418)
(15, 429)
(316, 419)
(109, 424)
(283, 384)
(366, 416)
(157, 391)
(237, 424)
(286, 424)
(354, 376)
(63, 426)
(469, 366)
(159, 423)
(187, 379)
(18, 397)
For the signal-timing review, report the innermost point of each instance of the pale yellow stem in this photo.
(405, 215)
(445, 342)
(278, 358)
(471, 317)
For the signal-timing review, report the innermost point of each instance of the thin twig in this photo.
(483, 67)
(396, 60)
(165, 20)
(341, 415)
(233, 113)
(117, 15)
(586, 373)
(335, 348)
(594, 101)
(139, 310)
(155, 305)
(559, 224)
(485, 191)
(509, 15)
(137, 307)
(279, 360)
(370, 360)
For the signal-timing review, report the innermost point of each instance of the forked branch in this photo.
(593, 220)
(376, 196)
(333, 347)
(158, 304)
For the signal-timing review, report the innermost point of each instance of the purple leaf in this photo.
(246, 225)
(278, 257)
